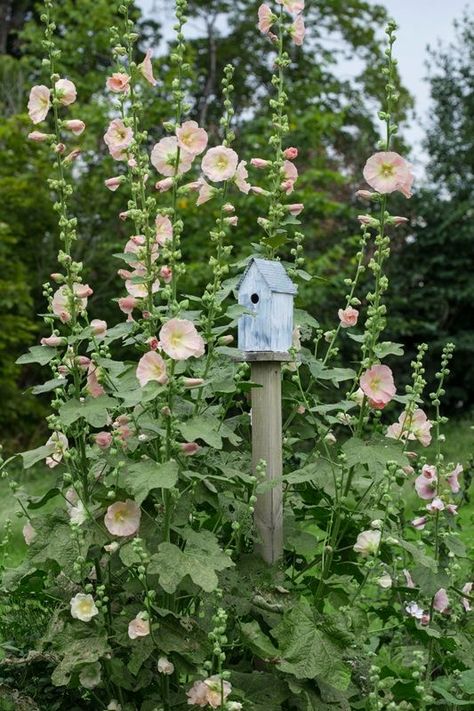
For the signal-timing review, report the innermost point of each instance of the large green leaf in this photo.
(37, 354)
(36, 455)
(201, 559)
(77, 653)
(307, 651)
(95, 410)
(257, 641)
(374, 454)
(205, 428)
(146, 475)
(419, 555)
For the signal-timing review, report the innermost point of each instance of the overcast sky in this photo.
(421, 22)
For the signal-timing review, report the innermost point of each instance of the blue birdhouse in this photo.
(267, 291)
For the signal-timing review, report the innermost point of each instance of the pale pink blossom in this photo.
(180, 340)
(467, 590)
(164, 229)
(290, 153)
(151, 366)
(98, 326)
(364, 194)
(377, 384)
(138, 289)
(38, 136)
(29, 533)
(265, 19)
(126, 305)
(118, 138)
(164, 185)
(397, 220)
(452, 509)
(137, 245)
(60, 442)
(122, 426)
(414, 610)
(197, 694)
(192, 382)
(209, 692)
(240, 177)
(228, 207)
(164, 157)
(123, 518)
(166, 273)
(94, 388)
(76, 126)
(260, 163)
(426, 483)
(83, 362)
(72, 155)
(367, 543)
(53, 341)
(119, 83)
(408, 579)
(139, 626)
(113, 183)
(290, 176)
(436, 505)
(206, 192)
(146, 68)
(295, 208)
(368, 220)
(232, 221)
(65, 91)
(452, 479)
(39, 103)
(83, 607)
(348, 317)
(298, 31)
(153, 343)
(191, 138)
(441, 600)
(164, 666)
(419, 522)
(293, 6)
(220, 163)
(387, 171)
(103, 439)
(189, 448)
(415, 427)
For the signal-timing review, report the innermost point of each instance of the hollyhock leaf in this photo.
(140, 653)
(429, 581)
(205, 428)
(374, 454)
(439, 685)
(37, 502)
(388, 348)
(257, 641)
(78, 652)
(336, 375)
(418, 555)
(201, 559)
(36, 455)
(302, 318)
(466, 681)
(146, 475)
(455, 545)
(55, 546)
(319, 473)
(37, 354)
(267, 691)
(48, 386)
(119, 331)
(93, 410)
(306, 651)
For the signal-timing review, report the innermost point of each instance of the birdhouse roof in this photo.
(273, 273)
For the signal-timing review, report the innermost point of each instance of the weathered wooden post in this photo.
(265, 337)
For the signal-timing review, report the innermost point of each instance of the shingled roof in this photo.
(274, 275)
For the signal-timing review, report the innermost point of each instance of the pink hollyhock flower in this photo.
(180, 340)
(83, 362)
(76, 126)
(220, 163)
(137, 245)
(240, 177)
(189, 448)
(38, 136)
(119, 83)
(146, 68)
(151, 366)
(348, 317)
(206, 192)
(164, 666)
(191, 138)
(61, 444)
(216, 689)
(232, 221)
(164, 156)
(113, 183)
(260, 163)
(364, 194)
(417, 428)
(368, 220)
(467, 589)
(166, 273)
(436, 505)
(298, 31)
(397, 221)
(290, 176)
(419, 522)
(452, 509)
(293, 6)
(122, 426)
(163, 185)
(290, 153)
(377, 384)
(94, 388)
(441, 600)
(153, 343)
(39, 103)
(452, 478)
(139, 626)
(53, 341)
(29, 533)
(103, 439)
(367, 543)
(139, 290)
(197, 694)
(414, 610)
(126, 306)
(123, 518)
(388, 171)
(65, 92)
(265, 19)
(259, 191)
(75, 153)
(164, 229)
(192, 382)
(408, 579)
(98, 326)
(425, 484)
(118, 138)
(228, 207)
(295, 208)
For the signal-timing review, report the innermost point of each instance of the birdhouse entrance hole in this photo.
(254, 298)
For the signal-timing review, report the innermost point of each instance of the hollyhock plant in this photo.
(378, 385)
(387, 172)
(348, 317)
(65, 91)
(180, 340)
(414, 426)
(83, 607)
(219, 164)
(151, 367)
(426, 483)
(164, 157)
(39, 103)
(191, 138)
(123, 518)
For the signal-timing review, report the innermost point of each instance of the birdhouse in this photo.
(267, 291)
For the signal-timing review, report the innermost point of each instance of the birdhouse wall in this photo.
(254, 331)
(281, 322)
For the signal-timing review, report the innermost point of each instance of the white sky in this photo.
(421, 23)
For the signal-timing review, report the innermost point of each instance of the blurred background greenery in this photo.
(333, 123)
